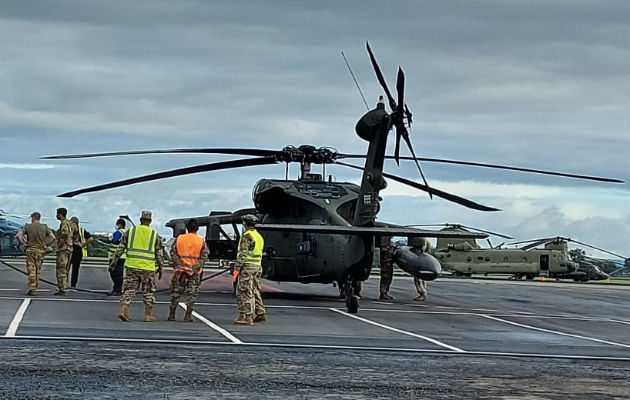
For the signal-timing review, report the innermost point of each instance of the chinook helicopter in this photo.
(317, 230)
(465, 257)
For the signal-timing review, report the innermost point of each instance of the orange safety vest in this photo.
(189, 248)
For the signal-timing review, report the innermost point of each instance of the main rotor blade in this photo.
(381, 79)
(227, 150)
(438, 193)
(497, 166)
(176, 172)
(595, 248)
(465, 227)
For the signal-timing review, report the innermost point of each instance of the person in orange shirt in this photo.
(189, 253)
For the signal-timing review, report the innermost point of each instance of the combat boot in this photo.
(148, 314)
(385, 296)
(171, 313)
(124, 313)
(260, 318)
(421, 298)
(244, 319)
(188, 316)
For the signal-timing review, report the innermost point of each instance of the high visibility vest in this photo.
(82, 236)
(254, 257)
(189, 248)
(141, 248)
(111, 249)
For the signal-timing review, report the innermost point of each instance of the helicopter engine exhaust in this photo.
(419, 264)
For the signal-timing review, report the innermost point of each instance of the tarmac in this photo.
(471, 339)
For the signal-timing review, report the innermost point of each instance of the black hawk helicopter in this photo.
(317, 230)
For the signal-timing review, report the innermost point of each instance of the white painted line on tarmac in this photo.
(214, 326)
(17, 318)
(554, 332)
(485, 309)
(391, 328)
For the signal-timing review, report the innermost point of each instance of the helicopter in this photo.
(9, 245)
(465, 257)
(317, 230)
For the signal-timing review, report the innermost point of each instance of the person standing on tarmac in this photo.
(249, 262)
(79, 250)
(38, 238)
(387, 267)
(189, 253)
(116, 270)
(67, 235)
(387, 270)
(143, 248)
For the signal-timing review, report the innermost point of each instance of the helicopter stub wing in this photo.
(369, 231)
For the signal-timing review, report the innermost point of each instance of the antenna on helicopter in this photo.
(355, 81)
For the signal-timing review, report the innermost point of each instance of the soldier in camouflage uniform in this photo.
(67, 235)
(144, 249)
(387, 270)
(421, 286)
(38, 238)
(189, 253)
(249, 261)
(387, 267)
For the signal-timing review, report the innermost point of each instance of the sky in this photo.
(535, 84)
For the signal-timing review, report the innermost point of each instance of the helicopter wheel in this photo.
(352, 301)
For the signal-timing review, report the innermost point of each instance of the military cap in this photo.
(63, 211)
(250, 219)
(146, 215)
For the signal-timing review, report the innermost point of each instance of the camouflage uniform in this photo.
(421, 286)
(184, 283)
(387, 268)
(248, 297)
(67, 235)
(36, 245)
(139, 278)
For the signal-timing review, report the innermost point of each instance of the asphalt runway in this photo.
(512, 323)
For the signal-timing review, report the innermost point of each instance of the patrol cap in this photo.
(250, 219)
(36, 215)
(146, 215)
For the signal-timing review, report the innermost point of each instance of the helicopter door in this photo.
(544, 265)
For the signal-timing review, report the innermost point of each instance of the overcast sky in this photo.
(538, 84)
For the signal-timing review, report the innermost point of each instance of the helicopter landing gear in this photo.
(352, 300)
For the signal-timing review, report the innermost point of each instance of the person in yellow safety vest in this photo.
(189, 253)
(143, 247)
(79, 250)
(116, 271)
(249, 263)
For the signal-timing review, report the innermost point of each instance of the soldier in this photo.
(116, 270)
(421, 286)
(249, 262)
(38, 238)
(189, 253)
(67, 235)
(387, 267)
(143, 248)
(79, 250)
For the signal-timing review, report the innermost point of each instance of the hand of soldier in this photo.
(111, 266)
(159, 273)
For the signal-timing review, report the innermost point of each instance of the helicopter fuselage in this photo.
(311, 257)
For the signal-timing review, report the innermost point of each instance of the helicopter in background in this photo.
(317, 230)
(465, 257)
(9, 245)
